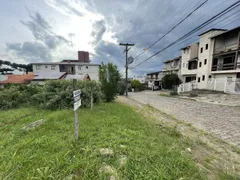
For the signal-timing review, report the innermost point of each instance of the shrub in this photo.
(171, 80)
(109, 78)
(136, 84)
(55, 94)
(173, 93)
(193, 94)
(121, 87)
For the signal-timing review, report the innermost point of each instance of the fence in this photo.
(227, 85)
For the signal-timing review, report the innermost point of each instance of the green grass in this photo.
(49, 151)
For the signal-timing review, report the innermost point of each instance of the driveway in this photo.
(223, 121)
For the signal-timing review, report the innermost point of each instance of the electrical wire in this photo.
(231, 7)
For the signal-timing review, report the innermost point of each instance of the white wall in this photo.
(188, 55)
(45, 68)
(91, 70)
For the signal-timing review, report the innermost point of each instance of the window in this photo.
(53, 67)
(200, 64)
(206, 47)
(201, 50)
(229, 79)
(38, 67)
(79, 67)
(199, 79)
(45, 66)
(210, 77)
(205, 61)
(203, 78)
(86, 67)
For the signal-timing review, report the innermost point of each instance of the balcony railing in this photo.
(223, 67)
(226, 48)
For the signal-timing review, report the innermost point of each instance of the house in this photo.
(214, 62)
(15, 79)
(154, 78)
(82, 66)
(141, 79)
(172, 66)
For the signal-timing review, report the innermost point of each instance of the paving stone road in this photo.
(223, 121)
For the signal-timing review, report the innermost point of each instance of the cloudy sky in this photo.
(52, 30)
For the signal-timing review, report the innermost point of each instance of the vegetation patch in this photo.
(50, 152)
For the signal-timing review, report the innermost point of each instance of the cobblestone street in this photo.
(222, 121)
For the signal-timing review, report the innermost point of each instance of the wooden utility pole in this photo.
(75, 115)
(126, 51)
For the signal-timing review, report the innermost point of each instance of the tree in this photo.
(171, 80)
(109, 77)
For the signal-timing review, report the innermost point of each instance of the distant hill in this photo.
(6, 67)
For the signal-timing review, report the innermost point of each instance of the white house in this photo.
(172, 66)
(214, 62)
(82, 66)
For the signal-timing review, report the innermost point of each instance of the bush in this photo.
(109, 78)
(136, 85)
(171, 80)
(55, 94)
(173, 93)
(121, 87)
(193, 94)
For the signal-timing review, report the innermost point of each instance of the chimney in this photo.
(83, 56)
(86, 57)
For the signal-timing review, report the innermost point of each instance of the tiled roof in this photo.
(49, 75)
(18, 79)
(79, 77)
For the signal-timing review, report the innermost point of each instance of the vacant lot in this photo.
(137, 149)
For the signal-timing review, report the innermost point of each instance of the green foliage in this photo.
(27, 67)
(55, 94)
(171, 80)
(173, 93)
(109, 77)
(121, 87)
(49, 151)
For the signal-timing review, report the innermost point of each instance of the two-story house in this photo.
(82, 66)
(172, 66)
(154, 79)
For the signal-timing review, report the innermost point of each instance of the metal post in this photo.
(76, 124)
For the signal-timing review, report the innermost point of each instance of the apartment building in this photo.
(189, 62)
(213, 63)
(172, 66)
(154, 79)
(82, 66)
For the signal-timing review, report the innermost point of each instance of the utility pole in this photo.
(126, 51)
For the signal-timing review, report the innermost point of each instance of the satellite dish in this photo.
(130, 60)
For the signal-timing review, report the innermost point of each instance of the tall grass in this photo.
(50, 152)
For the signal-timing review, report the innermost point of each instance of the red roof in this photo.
(18, 79)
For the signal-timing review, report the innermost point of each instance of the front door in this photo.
(237, 85)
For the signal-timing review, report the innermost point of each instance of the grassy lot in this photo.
(49, 151)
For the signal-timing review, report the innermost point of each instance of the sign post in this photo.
(77, 104)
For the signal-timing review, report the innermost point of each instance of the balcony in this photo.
(226, 48)
(223, 67)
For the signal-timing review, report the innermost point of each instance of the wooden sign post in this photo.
(77, 104)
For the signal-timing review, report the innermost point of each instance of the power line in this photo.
(231, 7)
(132, 19)
(172, 28)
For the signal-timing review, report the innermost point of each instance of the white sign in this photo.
(77, 93)
(77, 105)
(77, 99)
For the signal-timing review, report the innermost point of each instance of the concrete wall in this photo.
(91, 70)
(45, 68)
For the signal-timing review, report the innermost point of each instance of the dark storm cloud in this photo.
(99, 28)
(45, 40)
(31, 51)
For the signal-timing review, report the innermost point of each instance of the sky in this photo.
(53, 30)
